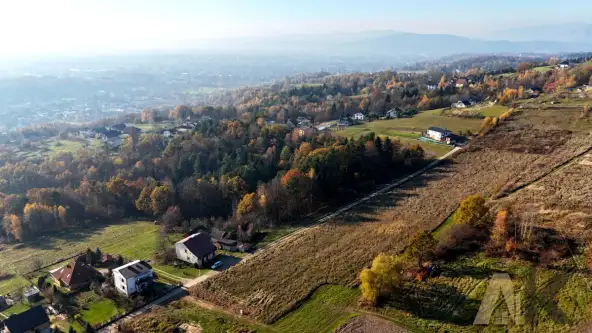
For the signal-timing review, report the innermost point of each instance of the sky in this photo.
(93, 26)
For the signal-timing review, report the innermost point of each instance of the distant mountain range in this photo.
(398, 44)
(569, 33)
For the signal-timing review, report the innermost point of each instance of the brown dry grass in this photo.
(276, 281)
(370, 324)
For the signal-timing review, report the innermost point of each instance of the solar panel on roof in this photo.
(133, 269)
(145, 264)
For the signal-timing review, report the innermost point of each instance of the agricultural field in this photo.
(328, 308)
(520, 150)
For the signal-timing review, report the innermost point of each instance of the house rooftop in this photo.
(74, 273)
(133, 268)
(199, 244)
(27, 321)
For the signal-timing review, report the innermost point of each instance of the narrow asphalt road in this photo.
(177, 293)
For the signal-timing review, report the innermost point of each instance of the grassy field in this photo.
(421, 122)
(408, 130)
(324, 312)
(114, 239)
(543, 69)
(493, 111)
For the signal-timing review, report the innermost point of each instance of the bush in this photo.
(459, 239)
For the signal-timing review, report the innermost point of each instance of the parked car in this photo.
(217, 264)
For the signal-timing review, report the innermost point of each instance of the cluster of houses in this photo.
(110, 135)
(188, 125)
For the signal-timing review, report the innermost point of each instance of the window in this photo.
(122, 280)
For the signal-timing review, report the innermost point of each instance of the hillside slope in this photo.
(525, 148)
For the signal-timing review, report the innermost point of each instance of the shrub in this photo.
(472, 209)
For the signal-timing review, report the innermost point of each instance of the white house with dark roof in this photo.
(196, 249)
(134, 277)
(437, 133)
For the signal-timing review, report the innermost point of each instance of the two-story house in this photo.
(196, 249)
(134, 277)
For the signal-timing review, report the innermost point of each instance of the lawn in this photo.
(13, 283)
(111, 239)
(100, 311)
(543, 69)
(494, 110)
(325, 311)
(16, 309)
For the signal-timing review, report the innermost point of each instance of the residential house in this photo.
(196, 249)
(34, 320)
(394, 113)
(290, 124)
(106, 259)
(119, 127)
(461, 83)
(303, 122)
(437, 133)
(134, 277)
(343, 122)
(131, 130)
(563, 64)
(75, 275)
(461, 104)
(359, 116)
(31, 294)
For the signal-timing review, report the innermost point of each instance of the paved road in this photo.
(188, 283)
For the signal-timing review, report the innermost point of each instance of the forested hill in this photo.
(246, 165)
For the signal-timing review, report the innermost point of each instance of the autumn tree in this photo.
(421, 246)
(523, 67)
(385, 274)
(247, 205)
(148, 115)
(160, 199)
(13, 224)
(471, 210)
(500, 227)
(144, 202)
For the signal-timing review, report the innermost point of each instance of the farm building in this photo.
(134, 277)
(196, 249)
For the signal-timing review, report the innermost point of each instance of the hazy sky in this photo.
(81, 26)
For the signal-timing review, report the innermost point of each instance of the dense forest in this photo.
(239, 173)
